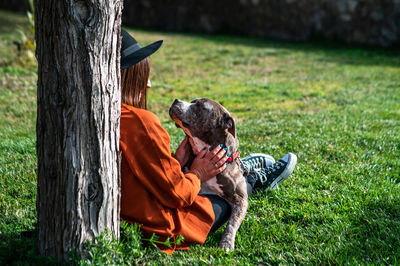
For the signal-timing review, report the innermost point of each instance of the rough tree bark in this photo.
(78, 106)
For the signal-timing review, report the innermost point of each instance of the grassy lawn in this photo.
(337, 107)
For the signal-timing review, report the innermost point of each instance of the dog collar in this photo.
(233, 157)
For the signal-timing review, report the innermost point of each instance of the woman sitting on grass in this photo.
(154, 191)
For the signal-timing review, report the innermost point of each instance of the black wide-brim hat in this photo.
(132, 53)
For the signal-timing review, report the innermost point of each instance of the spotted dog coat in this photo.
(209, 124)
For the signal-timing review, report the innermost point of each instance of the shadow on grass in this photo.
(328, 50)
(17, 249)
(9, 21)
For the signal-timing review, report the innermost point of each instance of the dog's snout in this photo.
(177, 101)
(175, 109)
(176, 105)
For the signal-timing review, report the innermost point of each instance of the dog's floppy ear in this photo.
(229, 124)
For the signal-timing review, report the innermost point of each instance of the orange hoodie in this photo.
(154, 191)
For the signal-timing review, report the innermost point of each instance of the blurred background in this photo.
(370, 22)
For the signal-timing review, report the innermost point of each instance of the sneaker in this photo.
(270, 177)
(255, 161)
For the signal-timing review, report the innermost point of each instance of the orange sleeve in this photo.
(146, 146)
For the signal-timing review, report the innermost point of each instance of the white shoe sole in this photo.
(286, 173)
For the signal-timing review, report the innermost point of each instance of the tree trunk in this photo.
(78, 107)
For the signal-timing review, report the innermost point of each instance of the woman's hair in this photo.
(134, 84)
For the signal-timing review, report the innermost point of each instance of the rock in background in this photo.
(371, 22)
(15, 5)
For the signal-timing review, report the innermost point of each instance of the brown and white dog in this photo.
(208, 124)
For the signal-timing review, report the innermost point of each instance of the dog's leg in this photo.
(239, 210)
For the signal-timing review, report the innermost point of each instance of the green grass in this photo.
(336, 106)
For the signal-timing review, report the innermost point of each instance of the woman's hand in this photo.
(183, 152)
(208, 164)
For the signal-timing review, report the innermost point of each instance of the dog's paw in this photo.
(227, 245)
